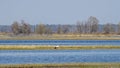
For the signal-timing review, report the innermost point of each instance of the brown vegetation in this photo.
(68, 65)
(48, 47)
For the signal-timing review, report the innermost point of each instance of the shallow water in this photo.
(58, 56)
(59, 42)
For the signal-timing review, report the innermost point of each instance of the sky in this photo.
(58, 11)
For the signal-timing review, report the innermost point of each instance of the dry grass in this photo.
(63, 37)
(69, 65)
(34, 47)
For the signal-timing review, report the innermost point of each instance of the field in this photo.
(70, 65)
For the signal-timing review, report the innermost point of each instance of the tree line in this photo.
(91, 26)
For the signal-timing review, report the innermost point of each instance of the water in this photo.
(59, 42)
(58, 56)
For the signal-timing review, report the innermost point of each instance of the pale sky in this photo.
(58, 11)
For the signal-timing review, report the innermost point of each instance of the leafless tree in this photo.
(79, 27)
(65, 29)
(59, 30)
(15, 28)
(41, 29)
(118, 28)
(25, 28)
(93, 24)
(108, 28)
(48, 31)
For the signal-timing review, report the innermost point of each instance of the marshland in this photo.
(59, 34)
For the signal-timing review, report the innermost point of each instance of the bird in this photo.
(56, 47)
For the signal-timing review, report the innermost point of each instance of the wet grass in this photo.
(36, 47)
(69, 65)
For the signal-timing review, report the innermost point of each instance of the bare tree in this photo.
(15, 28)
(108, 28)
(118, 29)
(59, 30)
(25, 28)
(48, 31)
(93, 24)
(41, 29)
(65, 29)
(86, 28)
(79, 27)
